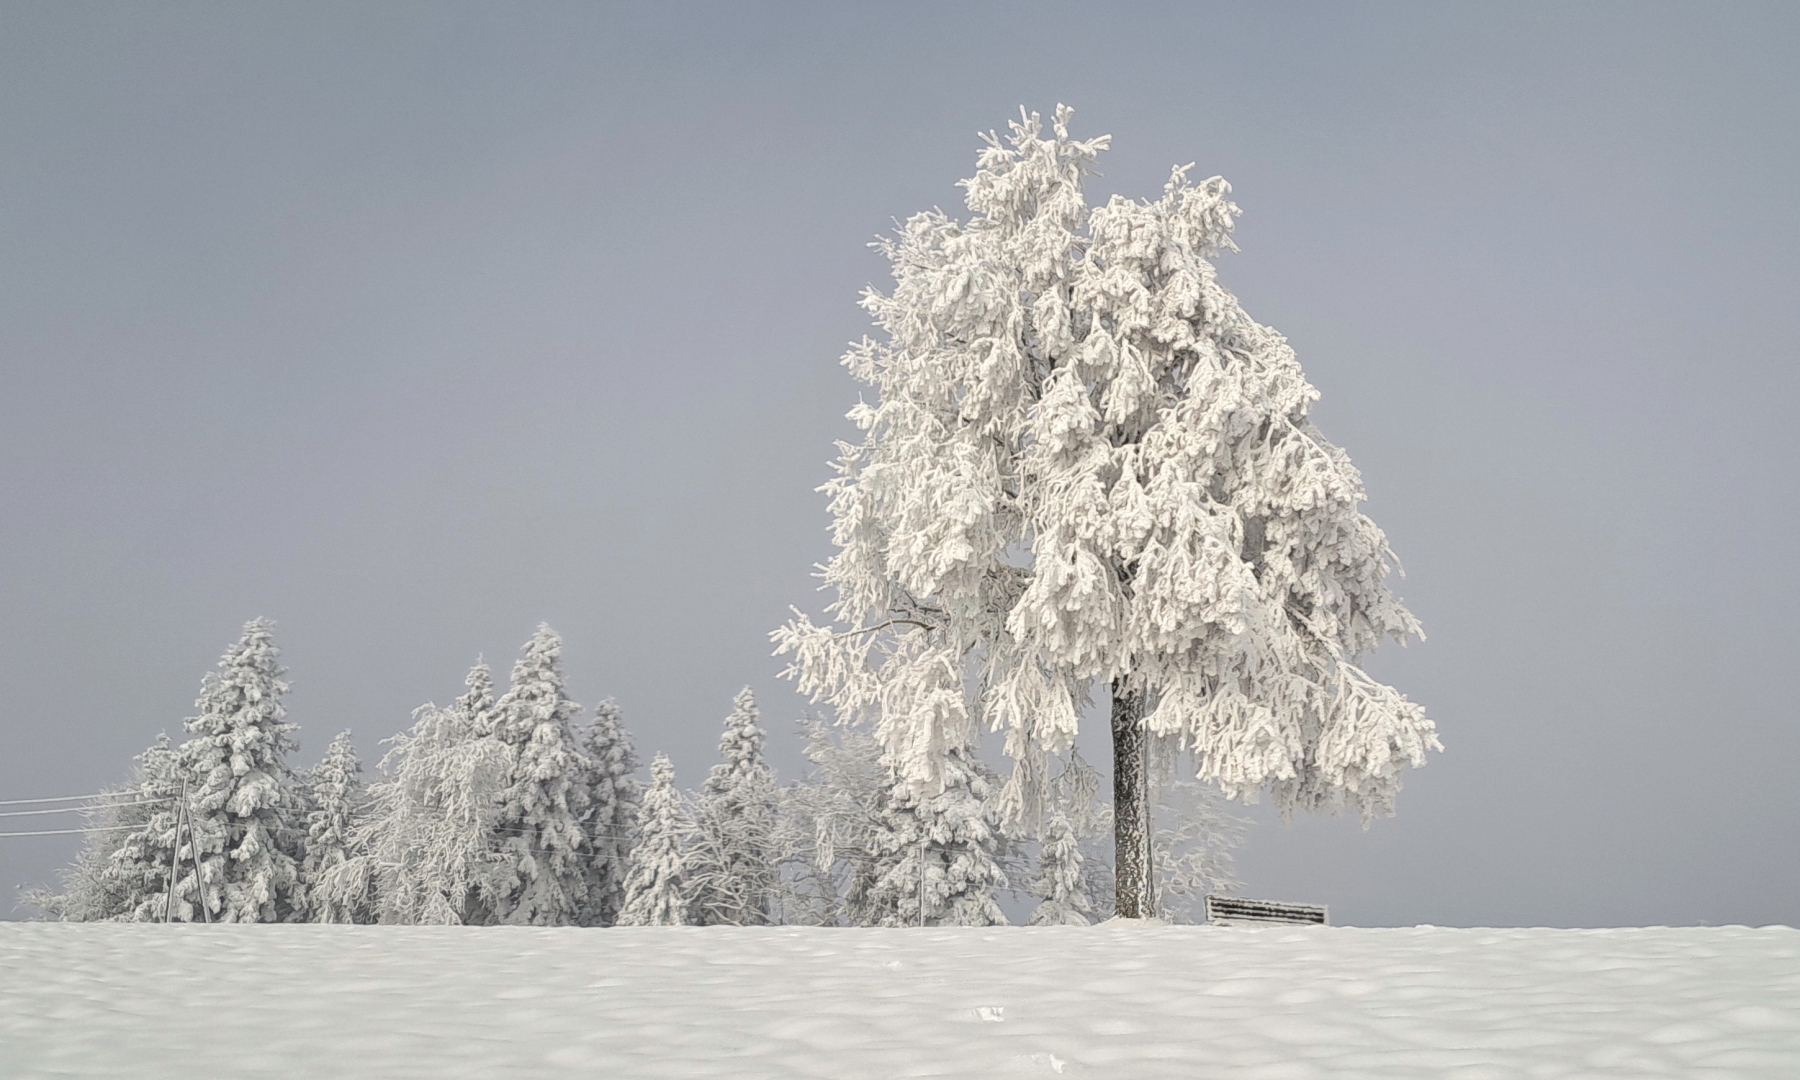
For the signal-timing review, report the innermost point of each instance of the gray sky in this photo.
(411, 326)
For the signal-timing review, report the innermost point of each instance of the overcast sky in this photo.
(411, 326)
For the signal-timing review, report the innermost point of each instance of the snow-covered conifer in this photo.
(655, 887)
(1196, 838)
(540, 825)
(1060, 880)
(740, 748)
(731, 864)
(245, 801)
(956, 834)
(335, 795)
(474, 710)
(1075, 792)
(613, 797)
(1088, 466)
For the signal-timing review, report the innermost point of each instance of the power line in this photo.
(70, 832)
(63, 798)
(81, 809)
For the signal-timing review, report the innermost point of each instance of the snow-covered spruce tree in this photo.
(1075, 792)
(1087, 465)
(655, 885)
(540, 826)
(335, 796)
(1195, 838)
(955, 832)
(731, 864)
(122, 870)
(613, 798)
(740, 748)
(246, 804)
(1060, 879)
(474, 710)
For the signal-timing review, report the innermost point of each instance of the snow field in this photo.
(1115, 1001)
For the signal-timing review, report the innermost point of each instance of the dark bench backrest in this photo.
(1231, 909)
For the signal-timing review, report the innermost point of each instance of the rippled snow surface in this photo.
(1108, 1001)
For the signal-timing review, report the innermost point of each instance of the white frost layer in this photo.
(1114, 1001)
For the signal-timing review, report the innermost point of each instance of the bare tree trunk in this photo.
(1133, 897)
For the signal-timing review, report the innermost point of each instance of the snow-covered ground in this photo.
(1109, 1001)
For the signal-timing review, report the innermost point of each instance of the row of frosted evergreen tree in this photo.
(508, 810)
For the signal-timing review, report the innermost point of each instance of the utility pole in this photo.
(199, 888)
(174, 851)
(921, 884)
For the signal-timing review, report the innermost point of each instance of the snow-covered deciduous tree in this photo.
(246, 804)
(827, 820)
(424, 851)
(1060, 880)
(1196, 839)
(941, 850)
(732, 865)
(540, 826)
(613, 798)
(335, 796)
(655, 886)
(122, 870)
(134, 882)
(1087, 466)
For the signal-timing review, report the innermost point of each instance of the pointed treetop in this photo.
(545, 646)
(476, 706)
(740, 746)
(541, 659)
(609, 714)
(160, 753)
(246, 687)
(480, 683)
(536, 695)
(341, 754)
(608, 743)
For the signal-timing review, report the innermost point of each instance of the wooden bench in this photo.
(1231, 911)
